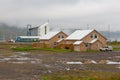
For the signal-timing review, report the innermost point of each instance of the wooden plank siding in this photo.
(50, 43)
(101, 41)
(92, 41)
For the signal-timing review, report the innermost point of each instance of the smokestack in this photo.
(27, 29)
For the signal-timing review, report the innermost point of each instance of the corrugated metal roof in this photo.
(29, 37)
(77, 42)
(41, 26)
(78, 34)
(33, 28)
(45, 24)
(50, 35)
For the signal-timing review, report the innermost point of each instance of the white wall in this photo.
(41, 29)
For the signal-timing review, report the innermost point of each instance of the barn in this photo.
(82, 40)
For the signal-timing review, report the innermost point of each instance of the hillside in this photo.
(113, 36)
(7, 31)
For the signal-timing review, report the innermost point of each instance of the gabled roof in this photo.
(33, 28)
(41, 26)
(29, 37)
(79, 34)
(77, 42)
(50, 35)
(45, 24)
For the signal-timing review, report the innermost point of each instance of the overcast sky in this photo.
(82, 14)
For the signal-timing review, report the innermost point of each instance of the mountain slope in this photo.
(7, 31)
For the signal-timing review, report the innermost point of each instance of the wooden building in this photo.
(82, 40)
(51, 39)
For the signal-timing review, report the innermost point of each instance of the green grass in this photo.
(114, 43)
(91, 51)
(28, 48)
(42, 49)
(116, 49)
(81, 75)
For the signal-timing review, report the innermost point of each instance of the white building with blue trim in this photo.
(34, 33)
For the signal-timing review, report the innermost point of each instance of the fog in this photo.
(83, 14)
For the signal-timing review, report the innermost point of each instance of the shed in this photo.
(79, 46)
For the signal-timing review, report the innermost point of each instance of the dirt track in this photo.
(27, 65)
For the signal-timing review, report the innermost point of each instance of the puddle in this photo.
(22, 58)
(117, 56)
(67, 69)
(33, 62)
(94, 62)
(6, 59)
(74, 63)
(17, 62)
(36, 61)
(111, 62)
(47, 66)
(118, 66)
(15, 56)
(19, 59)
(22, 53)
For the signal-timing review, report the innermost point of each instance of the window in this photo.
(91, 36)
(55, 43)
(45, 29)
(96, 36)
(86, 45)
(62, 36)
(58, 36)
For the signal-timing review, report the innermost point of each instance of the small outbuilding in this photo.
(79, 46)
(95, 44)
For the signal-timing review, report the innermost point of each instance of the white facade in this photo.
(40, 30)
(43, 29)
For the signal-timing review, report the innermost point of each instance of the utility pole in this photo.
(109, 32)
(27, 29)
(30, 30)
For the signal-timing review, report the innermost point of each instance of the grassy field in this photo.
(28, 48)
(114, 43)
(22, 62)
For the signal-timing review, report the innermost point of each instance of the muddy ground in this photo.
(21, 65)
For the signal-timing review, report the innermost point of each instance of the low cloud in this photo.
(63, 12)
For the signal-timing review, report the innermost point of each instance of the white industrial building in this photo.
(39, 30)
(34, 34)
